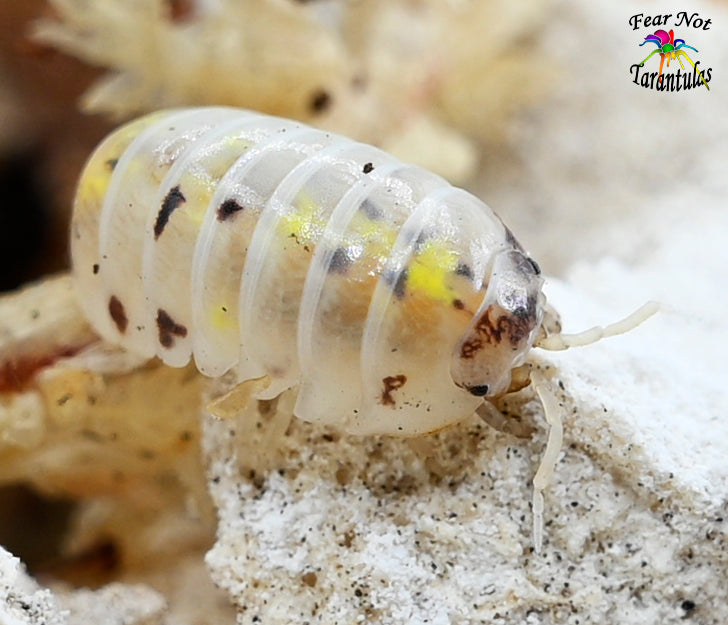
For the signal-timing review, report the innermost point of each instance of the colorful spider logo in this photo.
(670, 48)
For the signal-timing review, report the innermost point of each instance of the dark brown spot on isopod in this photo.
(492, 330)
(420, 242)
(118, 314)
(514, 327)
(368, 168)
(371, 210)
(391, 383)
(171, 202)
(398, 282)
(464, 270)
(458, 304)
(340, 261)
(168, 329)
(470, 348)
(227, 209)
(304, 245)
(95, 268)
(320, 101)
(111, 163)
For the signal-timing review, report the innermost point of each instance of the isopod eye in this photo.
(479, 390)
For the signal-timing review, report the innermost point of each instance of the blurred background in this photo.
(432, 81)
(531, 105)
(44, 139)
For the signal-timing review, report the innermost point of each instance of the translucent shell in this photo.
(273, 249)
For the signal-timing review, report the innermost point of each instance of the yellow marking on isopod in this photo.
(96, 178)
(221, 318)
(378, 232)
(95, 181)
(93, 187)
(429, 271)
(198, 189)
(304, 221)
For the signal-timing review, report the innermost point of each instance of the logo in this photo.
(669, 48)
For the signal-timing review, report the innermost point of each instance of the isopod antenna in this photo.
(560, 342)
(552, 409)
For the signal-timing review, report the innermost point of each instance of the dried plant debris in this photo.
(121, 439)
(12, 119)
(39, 325)
(420, 77)
(84, 421)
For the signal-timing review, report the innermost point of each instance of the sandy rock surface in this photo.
(23, 601)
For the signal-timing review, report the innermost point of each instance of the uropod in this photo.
(395, 302)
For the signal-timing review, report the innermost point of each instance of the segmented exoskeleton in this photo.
(396, 302)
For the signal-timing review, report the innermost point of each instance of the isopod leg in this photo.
(261, 424)
(545, 471)
(498, 421)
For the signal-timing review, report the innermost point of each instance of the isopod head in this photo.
(504, 328)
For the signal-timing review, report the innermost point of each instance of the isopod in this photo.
(395, 302)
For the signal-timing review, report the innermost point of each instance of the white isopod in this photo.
(397, 303)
